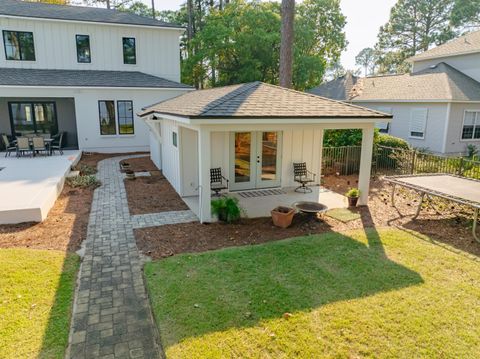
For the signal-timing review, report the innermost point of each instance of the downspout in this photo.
(445, 130)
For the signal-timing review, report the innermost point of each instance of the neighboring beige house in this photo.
(436, 106)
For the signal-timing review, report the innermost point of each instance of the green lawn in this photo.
(385, 294)
(36, 294)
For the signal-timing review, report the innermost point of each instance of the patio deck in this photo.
(30, 186)
(261, 206)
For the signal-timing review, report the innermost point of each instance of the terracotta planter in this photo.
(125, 166)
(352, 201)
(130, 174)
(282, 216)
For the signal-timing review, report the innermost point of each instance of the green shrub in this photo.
(86, 170)
(83, 181)
(226, 209)
(353, 192)
(391, 141)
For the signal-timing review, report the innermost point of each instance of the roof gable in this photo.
(257, 100)
(466, 44)
(76, 13)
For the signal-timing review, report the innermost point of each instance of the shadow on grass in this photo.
(193, 295)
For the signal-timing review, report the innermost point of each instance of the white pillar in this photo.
(365, 164)
(204, 159)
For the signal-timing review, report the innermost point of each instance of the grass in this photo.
(376, 294)
(36, 294)
(343, 215)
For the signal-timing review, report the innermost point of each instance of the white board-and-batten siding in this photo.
(55, 46)
(170, 154)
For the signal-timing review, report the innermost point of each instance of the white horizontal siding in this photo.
(55, 47)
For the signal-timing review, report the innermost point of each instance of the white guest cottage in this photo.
(254, 133)
(84, 72)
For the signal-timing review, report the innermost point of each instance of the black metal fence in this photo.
(389, 161)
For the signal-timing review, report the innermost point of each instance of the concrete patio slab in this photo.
(29, 186)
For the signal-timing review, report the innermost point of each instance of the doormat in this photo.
(343, 215)
(261, 193)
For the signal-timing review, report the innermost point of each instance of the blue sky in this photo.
(364, 18)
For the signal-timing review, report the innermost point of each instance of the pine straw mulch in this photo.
(451, 227)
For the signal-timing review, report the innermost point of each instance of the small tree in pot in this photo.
(226, 209)
(353, 194)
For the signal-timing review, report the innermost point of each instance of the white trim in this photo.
(179, 29)
(474, 126)
(414, 101)
(97, 87)
(445, 130)
(433, 57)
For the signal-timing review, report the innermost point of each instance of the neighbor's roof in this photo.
(83, 78)
(76, 13)
(466, 44)
(257, 100)
(337, 89)
(441, 82)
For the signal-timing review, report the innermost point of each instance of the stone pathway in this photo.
(111, 315)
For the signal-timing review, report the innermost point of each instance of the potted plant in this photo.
(282, 216)
(352, 195)
(124, 165)
(226, 209)
(130, 174)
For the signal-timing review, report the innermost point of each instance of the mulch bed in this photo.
(452, 227)
(65, 227)
(151, 194)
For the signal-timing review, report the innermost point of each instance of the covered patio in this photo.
(253, 133)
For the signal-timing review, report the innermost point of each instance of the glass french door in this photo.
(33, 118)
(255, 159)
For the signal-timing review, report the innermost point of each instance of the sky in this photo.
(364, 18)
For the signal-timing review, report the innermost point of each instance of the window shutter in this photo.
(418, 122)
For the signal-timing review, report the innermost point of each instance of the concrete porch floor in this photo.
(262, 205)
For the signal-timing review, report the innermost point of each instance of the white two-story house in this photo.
(435, 107)
(84, 72)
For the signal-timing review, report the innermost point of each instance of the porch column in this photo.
(365, 164)
(204, 160)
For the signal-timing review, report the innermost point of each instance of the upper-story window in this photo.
(83, 49)
(129, 51)
(471, 125)
(19, 45)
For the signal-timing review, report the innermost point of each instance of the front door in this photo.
(255, 159)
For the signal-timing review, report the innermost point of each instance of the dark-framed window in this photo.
(125, 117)
(27, 118)
(471, 125)
(175, 139)
(19, 45)
(129, 51)
(83, 49)
(106, 113)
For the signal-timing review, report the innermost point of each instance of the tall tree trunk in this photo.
(190, 21)
(153, 9)
(286, 45)
(108, 4)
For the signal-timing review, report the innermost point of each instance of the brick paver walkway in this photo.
(112, 316)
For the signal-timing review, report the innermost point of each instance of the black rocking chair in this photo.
(217, 181)
(303, 176)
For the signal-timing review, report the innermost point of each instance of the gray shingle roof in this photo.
(469, 43)
(76, 13)
(83, 78)
(442, 82)
(257, 100)
(337, 89)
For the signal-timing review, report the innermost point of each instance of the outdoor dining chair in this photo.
(9, 146)
(39, 145)
(23, 146)
(57, 143)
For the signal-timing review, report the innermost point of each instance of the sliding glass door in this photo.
(28, 118)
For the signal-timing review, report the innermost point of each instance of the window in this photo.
(125, 117)
(471, 125)
(383, 127)
(83, 48)
(175, 139)
(33, 118)
(106, 110)
(19, 45)
(129, 51)
(418, 122)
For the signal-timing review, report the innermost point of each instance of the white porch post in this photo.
(365, 164)
(204, 159)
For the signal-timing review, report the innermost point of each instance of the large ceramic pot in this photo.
(282, 216)
(352, 201)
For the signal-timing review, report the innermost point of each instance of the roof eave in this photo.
(418, 58)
